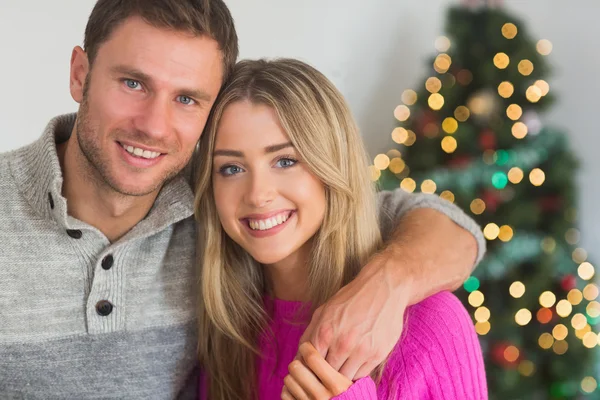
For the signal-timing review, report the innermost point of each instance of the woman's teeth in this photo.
(264, 224)
(140, 153)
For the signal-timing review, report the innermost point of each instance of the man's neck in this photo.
(91, 200)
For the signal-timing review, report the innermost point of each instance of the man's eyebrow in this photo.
(138, 75)
(236, 153)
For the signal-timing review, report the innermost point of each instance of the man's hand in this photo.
(360, 325)
(313, 378)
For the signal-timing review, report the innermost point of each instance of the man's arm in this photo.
(431, 246)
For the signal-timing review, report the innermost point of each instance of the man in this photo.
(97, 281)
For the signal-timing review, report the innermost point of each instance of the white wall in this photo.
(371, 49)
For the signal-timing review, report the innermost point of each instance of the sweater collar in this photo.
(37, 172)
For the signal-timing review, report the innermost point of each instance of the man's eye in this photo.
(185, 100)
(131, 84)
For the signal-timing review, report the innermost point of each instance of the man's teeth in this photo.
(264, 224)
(140, 152)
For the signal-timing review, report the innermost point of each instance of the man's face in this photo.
(144, 104)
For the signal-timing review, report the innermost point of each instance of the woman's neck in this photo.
(288, 279)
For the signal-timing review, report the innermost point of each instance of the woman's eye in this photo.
(131, 84)
(185, 100)
(230, 170)
(285, 162)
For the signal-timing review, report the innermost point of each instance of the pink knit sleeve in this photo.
(362, 389)
(438, 357)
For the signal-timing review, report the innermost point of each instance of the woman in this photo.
(288, 215)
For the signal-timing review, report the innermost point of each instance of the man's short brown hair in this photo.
(198, 17)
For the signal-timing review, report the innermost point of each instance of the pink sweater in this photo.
(438, 356)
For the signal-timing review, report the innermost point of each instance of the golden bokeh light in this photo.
(501, 60)
(586, 271)
(436, 101)
(575, 296)
(476, 298)
(544, 47)
(589, 384)
(514, 112)
(409, 97)
(374, 173)
(408, 185)
(399, 135)
(382, 161)
(449, 144)
(482, 314)
(533, 94)
(411, 139)
(519, 130)
(428, 186)
(442, 44)
(537, 177)
(547, 299)
(483, 328)
(543, 86)
(402, 113)
(517, 289)
(593, 309)
(442, 63)
(506, 233)
(572, 236)
(462, 113)
(477, 206)
(579, 321)
(590, 340)
(515, 175)
(450, 125)
(560, 332)
(590, 292)
(525, 67)
(564, 308)
(506, 89)
(509, 30)
(511, 354)
(491, 231)
(523, 317)
(526, 368)
(579, 255)
(548, 244)
(433, 84)
(546, 341)
(580, 333)
(397, 165)
(448, 196)
(560, 347)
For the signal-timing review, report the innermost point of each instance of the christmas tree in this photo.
(472, 133)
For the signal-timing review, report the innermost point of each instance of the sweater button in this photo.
(74, 233)
(104, 308)
(108, 262)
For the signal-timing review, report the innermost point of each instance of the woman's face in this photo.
(268, 200)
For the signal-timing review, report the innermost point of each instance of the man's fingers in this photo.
(365, 370)
(333, 381)
(285, 394)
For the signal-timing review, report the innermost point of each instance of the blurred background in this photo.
(490, 104)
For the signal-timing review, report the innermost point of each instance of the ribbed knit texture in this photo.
(437, 358)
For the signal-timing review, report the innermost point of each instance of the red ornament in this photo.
(459, 161)
(487, 140)
(426, 119)
(551, 203)
(505, 357)
(491, 200)
(568, 282)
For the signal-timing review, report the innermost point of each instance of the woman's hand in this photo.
(313, 378)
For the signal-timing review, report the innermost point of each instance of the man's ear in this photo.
(79, 70)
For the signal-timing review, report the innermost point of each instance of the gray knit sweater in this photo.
(83, 318)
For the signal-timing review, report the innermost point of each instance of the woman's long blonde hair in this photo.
(318, 122)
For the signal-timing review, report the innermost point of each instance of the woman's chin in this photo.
(268, 258)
